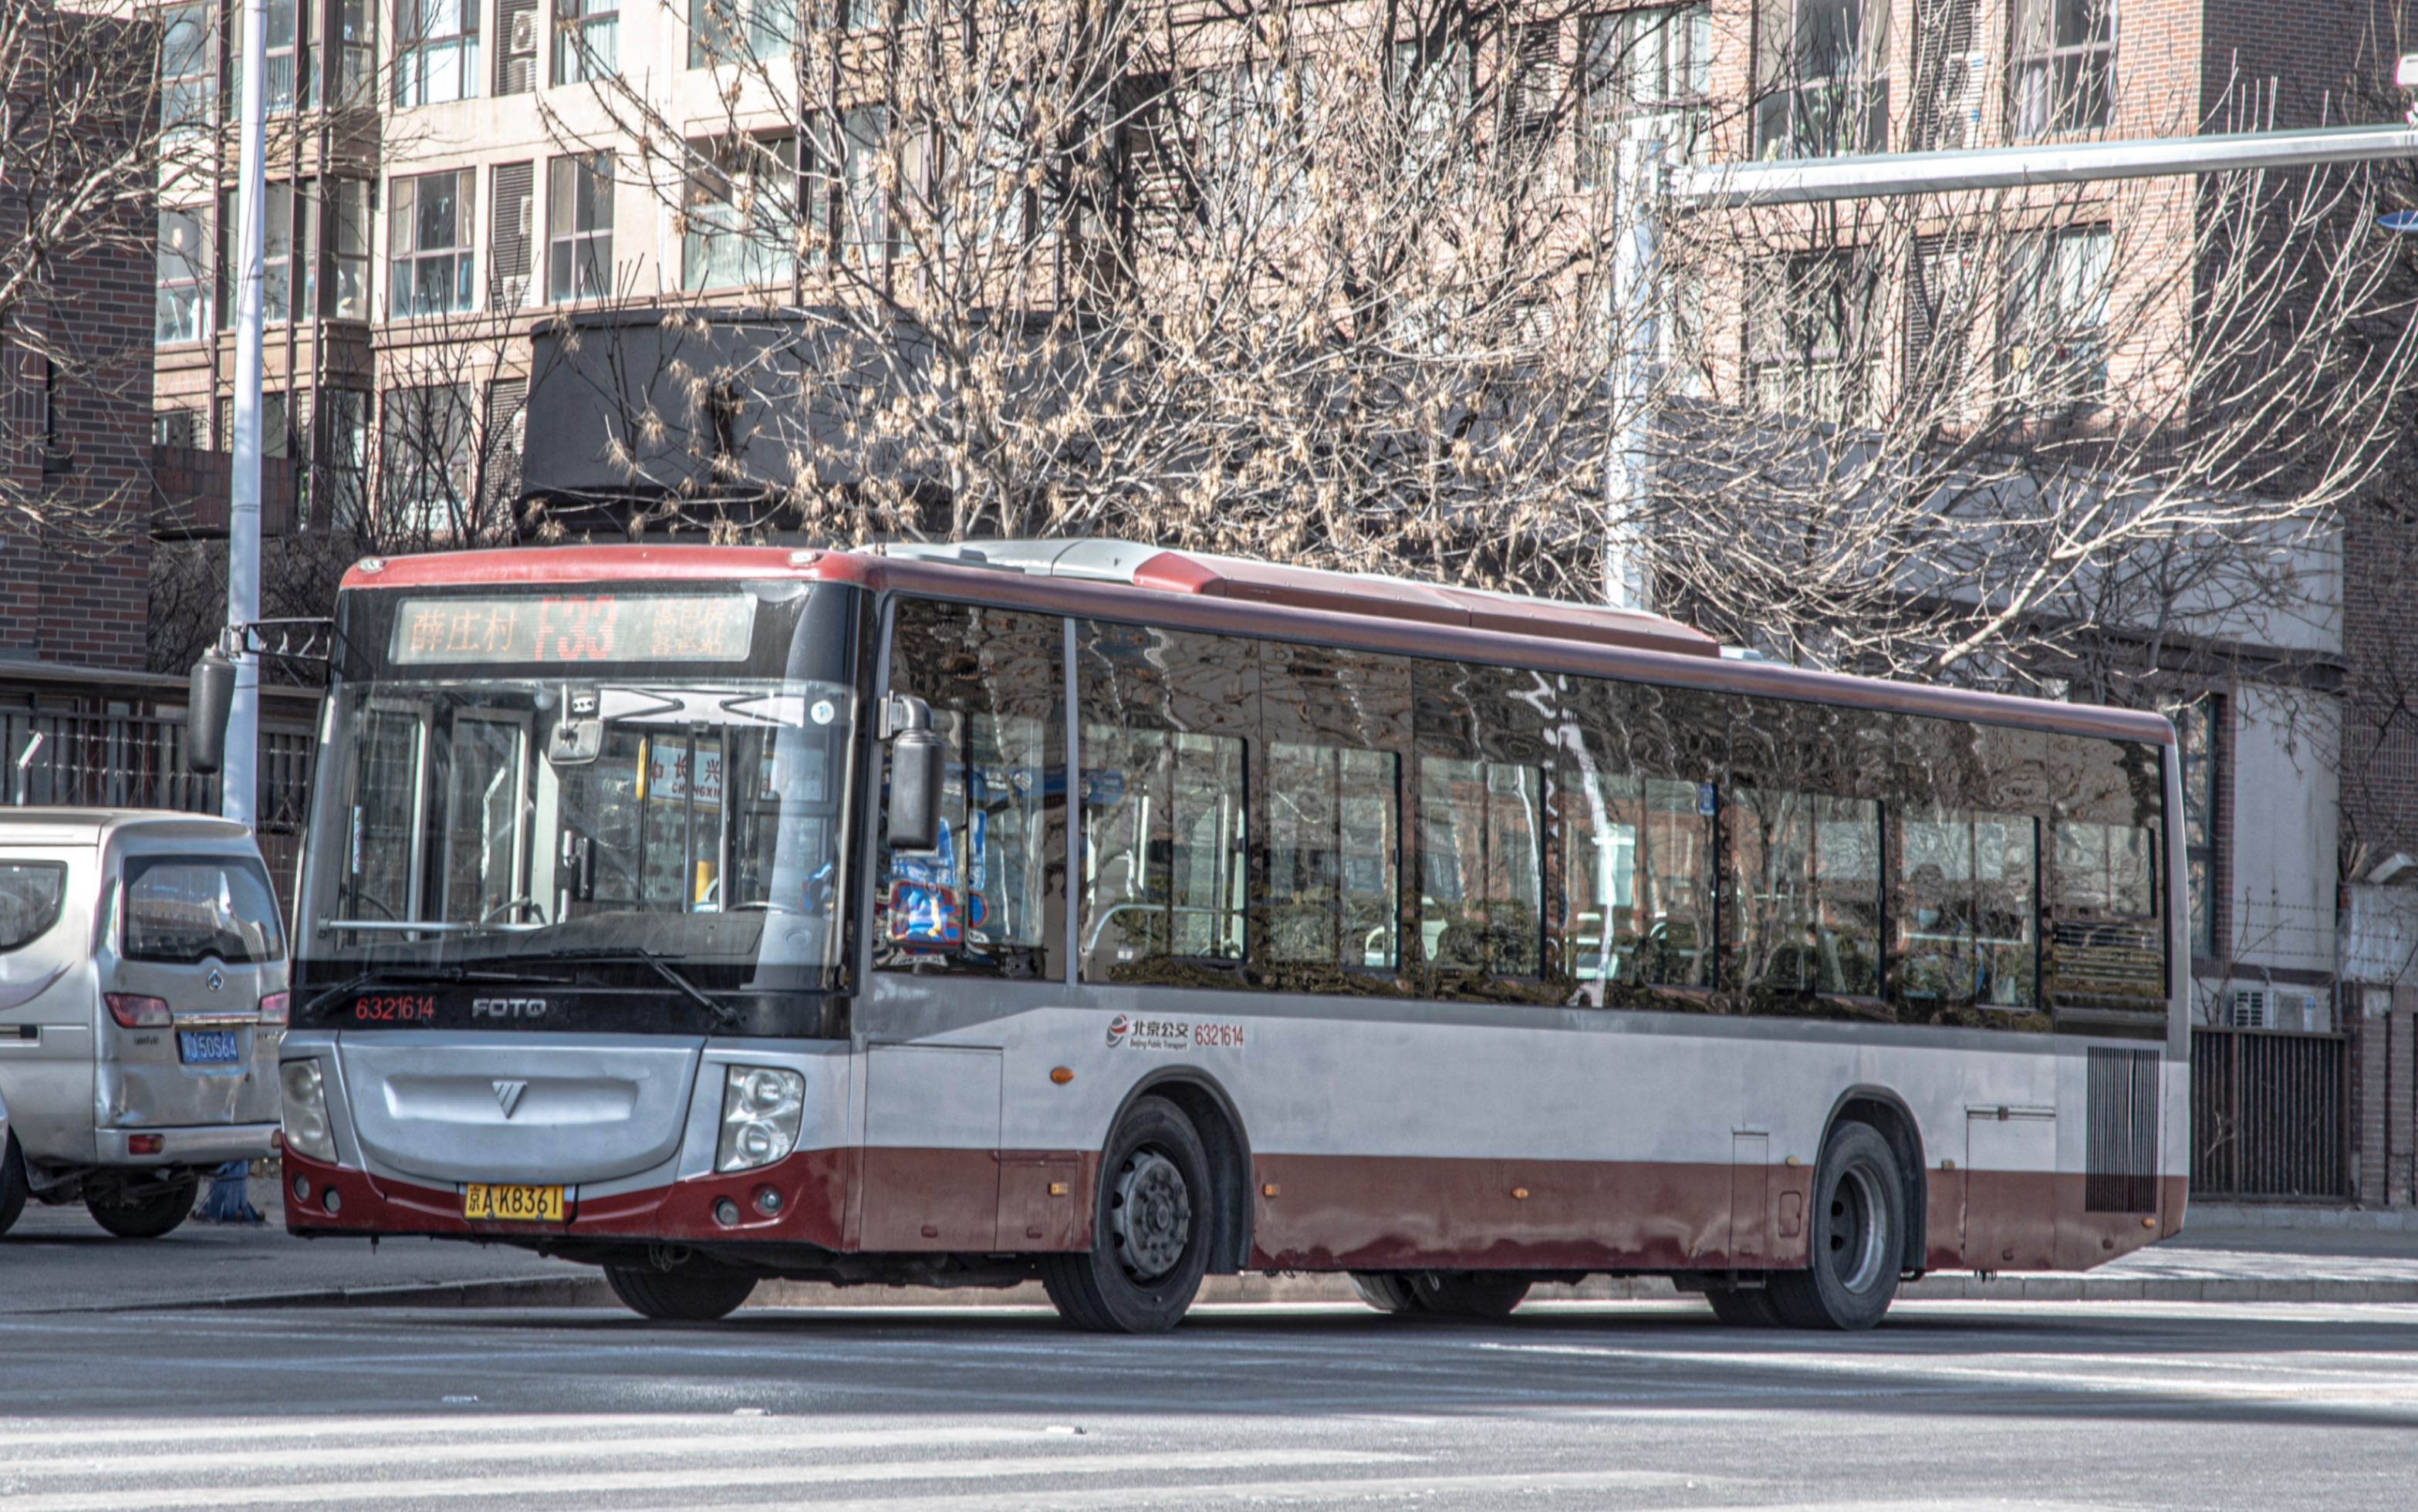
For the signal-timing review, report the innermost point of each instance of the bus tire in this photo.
(1388, 1291)
(1470, 1295)
(1743, 1306)
(13, 1183)
(1152, 1221)
(690, 1294)
(1856, 1235)
(145, 1211)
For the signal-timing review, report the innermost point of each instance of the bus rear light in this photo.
(762, 1108)
(306, 1110)
(272, 1009)
(133, 1011)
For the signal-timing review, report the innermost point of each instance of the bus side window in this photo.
(1166, 846)
(1483, 738)
(1803, 817)
(1964, 868)
(989, 899)
(1336, 725)
(2106, 945)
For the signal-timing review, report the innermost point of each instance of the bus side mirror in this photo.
(917, 757)
(206, 712)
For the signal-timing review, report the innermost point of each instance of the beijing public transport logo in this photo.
(1174, 1034)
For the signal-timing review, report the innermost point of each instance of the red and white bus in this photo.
(1117, 916)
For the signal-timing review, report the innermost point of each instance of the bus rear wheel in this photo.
(1857, 1236)
(1151, 1222)
(1743, 1306)
(690, 1292)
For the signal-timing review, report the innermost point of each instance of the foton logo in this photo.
(1118, 1027)
(508, 1007)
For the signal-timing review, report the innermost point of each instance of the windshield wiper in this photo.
(618, 954)
(380, 975)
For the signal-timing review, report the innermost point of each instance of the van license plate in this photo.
(208, 1046)
(513, 1204)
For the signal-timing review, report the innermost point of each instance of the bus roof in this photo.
(1113, 579)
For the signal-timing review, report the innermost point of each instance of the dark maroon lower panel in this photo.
(1310, 1213)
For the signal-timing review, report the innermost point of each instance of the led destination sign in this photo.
(574, 628)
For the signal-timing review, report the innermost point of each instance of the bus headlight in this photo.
(761, 1109)
(306, 1110)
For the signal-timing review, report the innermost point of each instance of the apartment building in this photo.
(446, 174)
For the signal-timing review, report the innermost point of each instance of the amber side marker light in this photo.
(1062, 1075)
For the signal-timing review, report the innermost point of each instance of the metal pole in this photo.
(1636, 273)
(238, 778)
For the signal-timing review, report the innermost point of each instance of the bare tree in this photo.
(1331, 284)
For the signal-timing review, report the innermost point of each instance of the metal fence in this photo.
(2270, 1115)
(137, 761)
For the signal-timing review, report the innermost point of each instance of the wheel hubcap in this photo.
(1854, 1236)
(1152, 1219)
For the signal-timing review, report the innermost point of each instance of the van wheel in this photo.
(689, 1294)
(1857, 1237)
(13, 1185)
(1151, 1222)
(1475, 1295)
(144, 1209)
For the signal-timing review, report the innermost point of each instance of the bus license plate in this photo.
(208, 1046)
(513, 1204)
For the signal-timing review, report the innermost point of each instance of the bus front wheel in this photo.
(1151, 1222)
(1857, 1236)
(687, 1293)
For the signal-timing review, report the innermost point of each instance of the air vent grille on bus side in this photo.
(2120, 1167)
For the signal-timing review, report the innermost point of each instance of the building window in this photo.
(183, 279)
(2195, 729)
(424, 462)
(1646, 74)
(586, 39)
(738, 217)
(730, 31)
(286, 85)
(2054, 344)
(344, 293)
(344, 459)
(176, 427)
(516, 47)
(2062, 66)
(346, 69)
(189, 69)
(579, 227)
(1809, 318)
(511, 227)
(1822, 78)
(428, 240)
(435, 51)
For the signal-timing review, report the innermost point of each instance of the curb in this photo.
(590, 1290)
(2214, 1216)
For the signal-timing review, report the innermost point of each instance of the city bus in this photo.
(1115, 916)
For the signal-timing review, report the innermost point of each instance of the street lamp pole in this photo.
(1636, 269)
(239, 781)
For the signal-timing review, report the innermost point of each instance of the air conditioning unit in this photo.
(523, 38)
(1957, 118)
(2247, 1008)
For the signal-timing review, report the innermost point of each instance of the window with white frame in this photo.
(435, 51)
(738, 214)
(586, 39)
(733, 31)
(189, 65)
(430, 231)
(184, 277)
(1644, 74)
(2053, 351)
(2060, 67)
(1821, 78)
(1809, 318)
(424, 455)
(579, 227)
(346, 232)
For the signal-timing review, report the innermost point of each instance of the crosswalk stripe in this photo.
(687, 1479)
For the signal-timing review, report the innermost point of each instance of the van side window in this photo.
(1166, 846)
(180, 908)
(31, 893)
(991, 898)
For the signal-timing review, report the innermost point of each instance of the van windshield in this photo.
(183, 910)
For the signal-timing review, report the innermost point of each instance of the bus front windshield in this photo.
(543, 818)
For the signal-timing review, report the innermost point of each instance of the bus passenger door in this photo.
(931, 1149)
(2009, 1187)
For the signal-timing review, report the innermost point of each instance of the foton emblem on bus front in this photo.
(508, 1007)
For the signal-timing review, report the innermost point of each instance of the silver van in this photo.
(142, 981)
